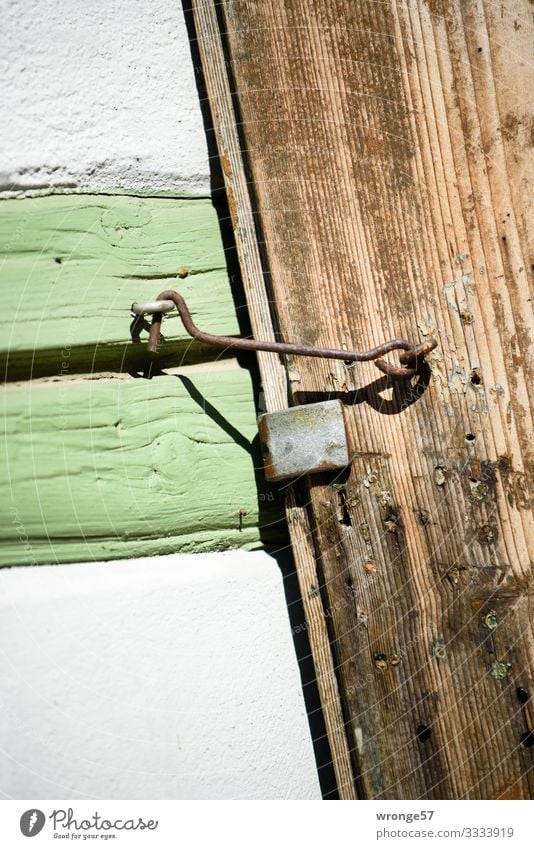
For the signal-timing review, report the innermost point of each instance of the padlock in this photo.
(303, 440)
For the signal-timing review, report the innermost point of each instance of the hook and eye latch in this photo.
(411, 356)
(310, 438)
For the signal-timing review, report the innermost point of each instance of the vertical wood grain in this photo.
(219, 86)
(390, 147)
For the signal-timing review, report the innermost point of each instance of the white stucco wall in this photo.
(171, 677)
(99, 93)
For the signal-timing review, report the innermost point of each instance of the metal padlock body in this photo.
(303, 440)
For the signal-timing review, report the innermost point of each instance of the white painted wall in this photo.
(99, 93)
(171, 677)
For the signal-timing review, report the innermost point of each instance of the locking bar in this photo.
(411, 356)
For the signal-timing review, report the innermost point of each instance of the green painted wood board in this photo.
(70, 266)
(103, 469)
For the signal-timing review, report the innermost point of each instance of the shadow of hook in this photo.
(405, 393)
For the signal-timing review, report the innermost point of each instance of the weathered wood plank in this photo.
(309, 584)
(72, 264)
(388, 147)
(108, 469)
(248, 240)
(240, 206)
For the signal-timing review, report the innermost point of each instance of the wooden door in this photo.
(379, 173)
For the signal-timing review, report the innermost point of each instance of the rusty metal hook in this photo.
(411, 356)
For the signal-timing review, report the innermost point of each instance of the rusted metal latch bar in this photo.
(305, 439)
(411, 357)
